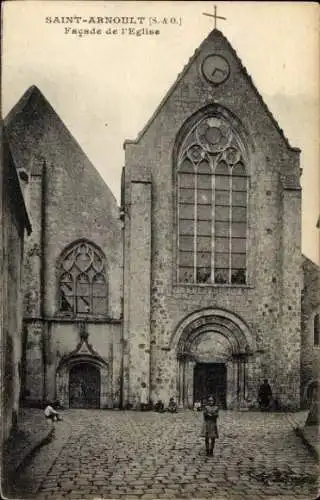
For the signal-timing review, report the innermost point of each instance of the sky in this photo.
(105, 87)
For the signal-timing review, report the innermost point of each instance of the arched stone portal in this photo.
(213, 348)
(84, 386)
(82, 377)
(82, 382)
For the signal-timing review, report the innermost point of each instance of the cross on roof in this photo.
(215, 16)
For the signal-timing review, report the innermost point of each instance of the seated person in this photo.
(159, 406)
(150, 405)
(172, 406)
(197, 406)
(51, 413)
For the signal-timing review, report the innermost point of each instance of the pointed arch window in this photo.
(82, 280)
(212, 185)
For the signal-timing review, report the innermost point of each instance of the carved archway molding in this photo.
(217, 322)
(213, 319)
(84, 353)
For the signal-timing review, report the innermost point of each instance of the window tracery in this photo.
(212, 186)
(82, 280)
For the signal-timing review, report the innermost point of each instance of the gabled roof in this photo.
(307, 262)
(31, 95)
(36, 132)
(213, 35)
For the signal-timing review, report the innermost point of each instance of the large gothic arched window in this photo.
(82, 280)
(212, 186)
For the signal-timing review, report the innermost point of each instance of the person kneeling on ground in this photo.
(172, 406)
(51, 413)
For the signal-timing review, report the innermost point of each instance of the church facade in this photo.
(193, 286)
(73, 262)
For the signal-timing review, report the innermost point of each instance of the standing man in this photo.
(265, 395)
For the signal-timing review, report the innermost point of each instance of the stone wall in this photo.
(310, 306)
(52, 341)
(69, 202)
(273, 287)
(14, 221)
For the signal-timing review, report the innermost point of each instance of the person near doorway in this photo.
(51, 414)
(143, 397)
(172, 406)
(197, 406)
(159, 406)
(265, 395)
(210, 428)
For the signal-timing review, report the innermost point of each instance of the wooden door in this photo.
(210, 379)
(84, 386)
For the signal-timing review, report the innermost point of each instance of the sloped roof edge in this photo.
(14, 176)
(308, 261)
(180, 77)
(20, 106)
(21, 103)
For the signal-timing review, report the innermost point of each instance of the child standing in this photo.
(210, 429)
(143, 397)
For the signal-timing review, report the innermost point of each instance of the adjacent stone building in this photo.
(194, 285)
(15, 225)
(310, 332)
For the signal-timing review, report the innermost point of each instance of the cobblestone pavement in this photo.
(147, 455)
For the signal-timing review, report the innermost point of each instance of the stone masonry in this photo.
(154, 328)
(269, 304)
(68, 202)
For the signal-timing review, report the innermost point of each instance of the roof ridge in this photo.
(22, 102)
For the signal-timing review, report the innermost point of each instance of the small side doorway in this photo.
(210, 379)
(84, 386)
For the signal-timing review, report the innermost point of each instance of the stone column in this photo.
(179, 382)
(34, 383)
(289, 338)
(139, 283)
(62, 383)
(231, 383)
(105, 401)
(189, 382)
